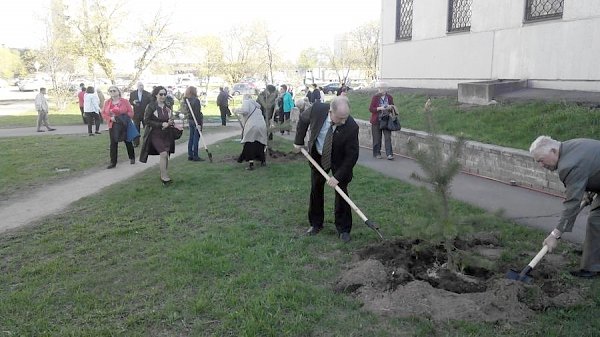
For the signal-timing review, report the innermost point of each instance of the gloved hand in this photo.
(297, 148)
(552, 240)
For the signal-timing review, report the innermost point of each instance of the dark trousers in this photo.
(590, 259)
(92, 118)
(114, 148)
(224, 113)
(376, 132)
(316, 213)
(83, 115)
(137, 120)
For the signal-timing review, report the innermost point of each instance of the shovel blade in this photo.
(516, 275)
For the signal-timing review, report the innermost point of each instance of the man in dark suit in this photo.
(343, 154)
(139, 99)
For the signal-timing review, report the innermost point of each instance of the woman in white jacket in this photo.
(91, 108)
(254, 132)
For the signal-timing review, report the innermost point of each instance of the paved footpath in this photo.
(524, 206)
(55, 197)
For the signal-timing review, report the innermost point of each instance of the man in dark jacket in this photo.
(139, 99)
(333, 143)
(578, 164)
(223, 104)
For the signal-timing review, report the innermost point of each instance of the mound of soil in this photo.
(409, 278)
(272, 156)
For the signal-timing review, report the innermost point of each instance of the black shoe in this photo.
(190, 158)
(91, 134)
(132, 161)
(98, 133)
(198, 159)
(584, 273)
(345, 236)
(51, 129)
(313, 230)
(40, 130)
(167, 182)
(111, 166)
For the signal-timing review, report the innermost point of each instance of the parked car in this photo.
(333, 87)
(31, 84)
(243, 88)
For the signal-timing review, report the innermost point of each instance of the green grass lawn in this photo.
(514, 125)
(221, 253)
(30, 162)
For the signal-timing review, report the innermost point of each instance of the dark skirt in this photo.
(253, 151)
(161, 140)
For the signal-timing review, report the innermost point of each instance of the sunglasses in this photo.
(113, 90)
(162, 94)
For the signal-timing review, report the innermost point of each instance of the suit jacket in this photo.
(579, 169)
(143, 101)
(344, 150)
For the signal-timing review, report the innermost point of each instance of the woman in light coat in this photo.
(254, 132)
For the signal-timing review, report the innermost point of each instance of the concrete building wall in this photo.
(556, 54)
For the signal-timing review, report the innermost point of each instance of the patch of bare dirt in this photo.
(405, 278)
(272, 156)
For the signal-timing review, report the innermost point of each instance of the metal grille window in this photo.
(459, 15)
(404, 15)
(536, 10)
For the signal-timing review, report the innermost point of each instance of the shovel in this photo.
(523, 275)
(199, 132)
(368, 222)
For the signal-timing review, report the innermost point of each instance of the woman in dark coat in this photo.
(158, 138)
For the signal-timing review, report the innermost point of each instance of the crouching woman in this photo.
(254, 132)
(158, 136)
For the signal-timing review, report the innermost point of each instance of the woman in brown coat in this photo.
(158, 137)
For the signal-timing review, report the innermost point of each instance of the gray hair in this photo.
(339, 100)
(543, 145)
(302, 103)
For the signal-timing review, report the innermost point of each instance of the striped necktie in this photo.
(326, 157)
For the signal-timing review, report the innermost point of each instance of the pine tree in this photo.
(439, 169)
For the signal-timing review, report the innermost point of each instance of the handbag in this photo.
(388, 120)
(132, 131)
(175, 132)
(393, 123)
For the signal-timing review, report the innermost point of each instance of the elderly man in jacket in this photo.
(333, 143)
(577, 162)
(41, 105)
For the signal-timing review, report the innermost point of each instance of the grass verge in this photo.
(221, 253)
(513, 125)
(30, 162)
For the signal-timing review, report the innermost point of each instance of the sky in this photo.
(299, 24)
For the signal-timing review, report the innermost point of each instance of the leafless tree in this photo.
(367, 41)
(152, 41)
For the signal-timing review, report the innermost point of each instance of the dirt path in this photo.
(55, 197)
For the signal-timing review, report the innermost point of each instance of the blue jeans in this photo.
(193, 141)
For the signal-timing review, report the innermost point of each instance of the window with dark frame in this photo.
(537, 10)
(404, 17)
(459, 15)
